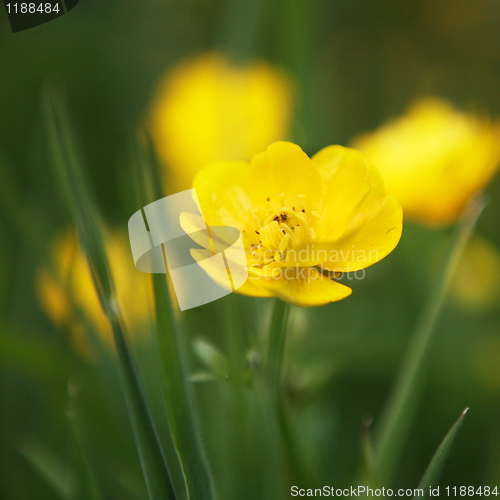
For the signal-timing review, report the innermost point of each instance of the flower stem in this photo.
(276, 348)
(275, 357)
(399, 411)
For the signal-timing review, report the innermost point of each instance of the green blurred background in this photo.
(356, 63)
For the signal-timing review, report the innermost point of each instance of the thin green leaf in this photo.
(437, 463)
(172, 343)
(179, 398)
(397, 417)
(147, 187)
(69, 172)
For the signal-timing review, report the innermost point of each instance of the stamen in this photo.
(284, 242)
(280, 229)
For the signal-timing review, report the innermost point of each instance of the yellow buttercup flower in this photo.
(434, 158)
(210, 109)
(302, 220)
(68, 291)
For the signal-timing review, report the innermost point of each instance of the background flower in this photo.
(434, 157)
(209, 108)
(69, 297)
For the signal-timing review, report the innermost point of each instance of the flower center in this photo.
(274, 229)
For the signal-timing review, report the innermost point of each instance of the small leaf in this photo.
(436, 466)
(212, 358)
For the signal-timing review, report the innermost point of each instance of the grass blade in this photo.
(437, 463)
(83, 208)
(179, 397)
(171, 339)
(398, 415)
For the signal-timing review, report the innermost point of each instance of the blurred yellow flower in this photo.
(434, 158)
(303, 221)
(476, 283)
(69, 298)
(210, 109)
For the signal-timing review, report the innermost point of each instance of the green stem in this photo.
(236, 336)
(276, 348)
(398, 415)
(275, 356)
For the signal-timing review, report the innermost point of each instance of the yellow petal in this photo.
(219, 274)
(305, 287)
(191, 224)
(301, 286)
(370, 238)
(217, 239)
(346, 181)
(252, 288)
(228, 240)
(222, 193)
(284, 169)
